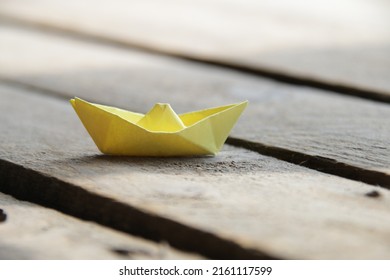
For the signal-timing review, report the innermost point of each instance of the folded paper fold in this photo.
(160, 132)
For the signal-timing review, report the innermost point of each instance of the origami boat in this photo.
(160, 132)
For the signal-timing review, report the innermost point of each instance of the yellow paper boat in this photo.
(161, 132)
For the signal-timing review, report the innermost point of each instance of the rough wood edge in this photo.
(33, 186)
(322, 164)
(260, 71)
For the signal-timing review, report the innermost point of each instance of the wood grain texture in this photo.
(344, 129)
(236, 204)
(341, 43)
(35, 232)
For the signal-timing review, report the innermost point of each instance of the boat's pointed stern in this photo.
(95, 120)
(72, 102)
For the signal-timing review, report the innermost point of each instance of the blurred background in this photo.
(338, 42)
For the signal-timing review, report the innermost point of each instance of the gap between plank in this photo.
(26, 184)
(36, 89)
(269, 73)
(322, 164)
(318, 163)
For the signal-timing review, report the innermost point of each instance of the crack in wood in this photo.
(26, 184)
(373, 194)
(3, 216)
(322, 164)
(292, 79)
(130, 252)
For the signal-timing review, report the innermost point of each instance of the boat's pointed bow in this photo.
(212, 131)
(222, 123)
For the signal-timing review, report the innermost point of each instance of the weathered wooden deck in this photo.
(305, 173)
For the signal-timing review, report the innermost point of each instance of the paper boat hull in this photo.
(115, 135)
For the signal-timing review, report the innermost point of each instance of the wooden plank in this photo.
(237, 205)
(349, 131)
(324, 43)
(34, 232)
